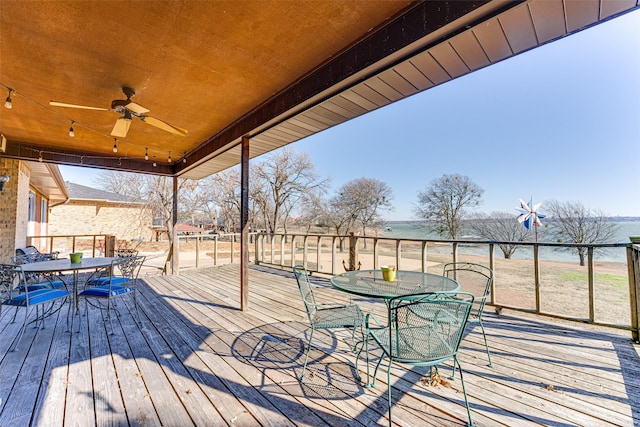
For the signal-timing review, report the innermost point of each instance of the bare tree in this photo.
(280, 182)
(365, 199)
(445, 201)
(502, 227)
(577, 224)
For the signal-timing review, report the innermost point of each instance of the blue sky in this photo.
(559, 122)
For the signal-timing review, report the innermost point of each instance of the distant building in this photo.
(93, 211)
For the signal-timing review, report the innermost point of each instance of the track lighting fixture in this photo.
(7, 102)
(71, 132)
(115, 145)
(146, 153)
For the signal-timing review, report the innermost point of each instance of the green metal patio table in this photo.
(369, 283)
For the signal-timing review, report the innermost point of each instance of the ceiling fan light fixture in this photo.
(7, 102)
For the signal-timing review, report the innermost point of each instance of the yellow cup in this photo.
(388, 273)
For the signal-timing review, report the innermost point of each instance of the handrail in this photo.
(396, 251)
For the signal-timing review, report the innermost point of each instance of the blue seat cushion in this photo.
(36, 297)
(103, 291)
(115, 280)
(57, 284)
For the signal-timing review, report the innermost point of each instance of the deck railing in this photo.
(605, 291)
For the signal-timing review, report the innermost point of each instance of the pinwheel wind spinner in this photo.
(529, 215)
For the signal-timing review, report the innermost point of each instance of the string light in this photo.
(115, 145)
(7, 102)
(146, 153)
(71, 132)
(169, 158)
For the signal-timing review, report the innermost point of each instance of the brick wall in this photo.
(125, 221)
(14, 205)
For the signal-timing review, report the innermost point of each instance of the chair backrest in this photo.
(33, 254)
(12, 281)
(427, 328)
(473, 278)
(126, 252)
(306, 291)
(129, 267)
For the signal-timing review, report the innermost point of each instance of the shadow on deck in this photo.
(193, 358)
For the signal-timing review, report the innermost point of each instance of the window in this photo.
(32, 206)
(43, 211)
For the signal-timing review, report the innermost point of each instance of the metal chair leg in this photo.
(306, 358)
(485, 343)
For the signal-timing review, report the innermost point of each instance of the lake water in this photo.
(624, 229)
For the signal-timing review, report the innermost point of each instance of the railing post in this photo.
(536, 275)
(375, 253)
(304, 250)
(398, 253)
(282, 250)
(492, 299)
(319, 252)
(258, 239)
(633, 265)
(353, 250)
(293, 250)
(423, 256)
(109, 245)
(591, 284)
(333, 254)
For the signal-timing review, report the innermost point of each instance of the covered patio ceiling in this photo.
(273, 71)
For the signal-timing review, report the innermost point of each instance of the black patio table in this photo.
(59, 265)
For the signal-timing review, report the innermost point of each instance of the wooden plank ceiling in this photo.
(274, 71)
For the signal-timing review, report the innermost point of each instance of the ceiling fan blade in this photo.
(136, 108)
(83, 107)
(121, 127)
(164, 126)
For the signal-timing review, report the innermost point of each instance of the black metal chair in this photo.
(16, 293)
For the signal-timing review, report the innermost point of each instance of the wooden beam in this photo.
(244, 225)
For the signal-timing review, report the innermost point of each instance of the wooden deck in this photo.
(192, 358)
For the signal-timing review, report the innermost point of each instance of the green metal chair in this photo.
(476, 279)
(327, 315)
(422, 330)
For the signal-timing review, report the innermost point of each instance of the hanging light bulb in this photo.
(184, 157)
(71, 132)
(169, 158)
(115, 145)
(7, 102)
(154, 162)
(146, 153)
(40, 157)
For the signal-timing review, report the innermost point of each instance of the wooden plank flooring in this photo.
(189, 356)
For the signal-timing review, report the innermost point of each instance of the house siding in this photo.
(125, 221)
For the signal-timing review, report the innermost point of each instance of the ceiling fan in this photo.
(128, 109)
